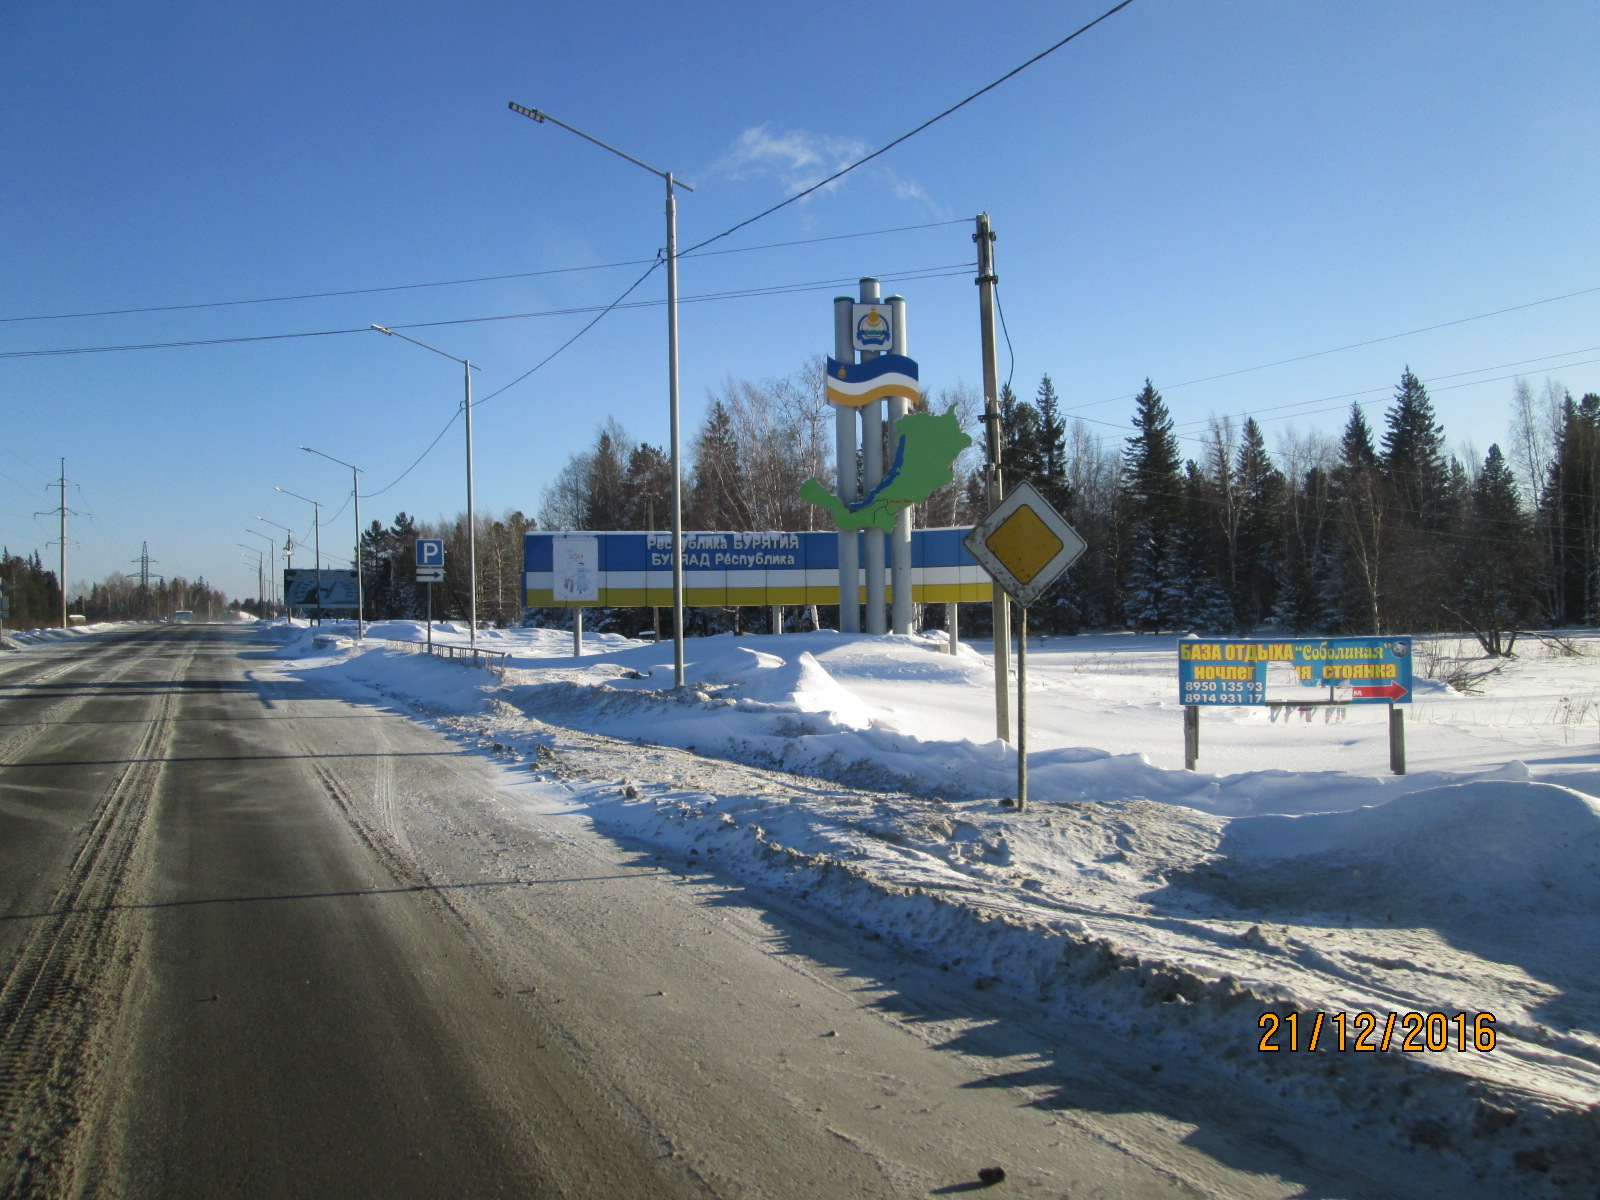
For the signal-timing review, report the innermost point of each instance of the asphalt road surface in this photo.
(258, 940)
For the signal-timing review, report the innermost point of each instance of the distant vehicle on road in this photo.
(182, 616)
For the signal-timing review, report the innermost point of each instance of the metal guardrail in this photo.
(493, 660)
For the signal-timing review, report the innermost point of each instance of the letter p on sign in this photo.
(430, 552)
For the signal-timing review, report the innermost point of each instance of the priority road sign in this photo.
(430, 574)
(1025, 544)
(430, 552)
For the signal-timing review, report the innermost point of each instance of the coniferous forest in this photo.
(1380, 529)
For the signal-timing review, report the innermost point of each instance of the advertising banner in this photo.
(1366, 670)
(634, 570)
(300, 588)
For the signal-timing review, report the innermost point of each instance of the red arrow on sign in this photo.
(1387, 691)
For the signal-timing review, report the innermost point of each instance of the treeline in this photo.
(1379, 530)
(118, 598)
(389, 576)
(35, 592)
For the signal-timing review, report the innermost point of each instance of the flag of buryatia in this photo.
(857, 385)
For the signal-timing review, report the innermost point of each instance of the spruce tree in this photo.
(1152, 493)
(1359, 557)
(1496, 576)
(1261, 486)
(1022, 458)
(1413, 456)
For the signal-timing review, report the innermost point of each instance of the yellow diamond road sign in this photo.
(1024, 543)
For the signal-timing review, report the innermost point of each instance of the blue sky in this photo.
(1186, 191)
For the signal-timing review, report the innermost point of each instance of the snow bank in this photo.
(1174, 907)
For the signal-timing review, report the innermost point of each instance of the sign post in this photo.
(1024, 544)
(1236, 671)
(575, 565)
(430, 570)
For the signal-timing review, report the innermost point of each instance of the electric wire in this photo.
(407, 287)
(1011, 354)
(1352, 346)
(650, 270)
(843, 171)
(447, 427)
(747, 293)
(1368, 391)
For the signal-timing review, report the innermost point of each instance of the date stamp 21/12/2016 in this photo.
(1412, 1032)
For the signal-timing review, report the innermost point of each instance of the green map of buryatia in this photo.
(925, 447)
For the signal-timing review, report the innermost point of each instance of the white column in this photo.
(872, 475)
(900, 539)
(845, 471)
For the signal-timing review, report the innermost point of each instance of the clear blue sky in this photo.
(1187, 190)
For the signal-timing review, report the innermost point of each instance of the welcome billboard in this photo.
(634, 570)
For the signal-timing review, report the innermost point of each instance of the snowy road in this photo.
(257, 939)
(260, 938)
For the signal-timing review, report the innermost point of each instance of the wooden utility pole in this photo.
(994, 480)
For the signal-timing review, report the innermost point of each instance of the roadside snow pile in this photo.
(1177, 908)
(774, 702)
(1478, 852)
(40, 637)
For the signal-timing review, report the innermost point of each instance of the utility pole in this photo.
(995, 481)
(62, 511)
(63, 482)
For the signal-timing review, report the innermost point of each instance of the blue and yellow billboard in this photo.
(723, 569)
(1365, 670)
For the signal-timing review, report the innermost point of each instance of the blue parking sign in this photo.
(430, 552)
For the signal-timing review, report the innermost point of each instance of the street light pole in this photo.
(288, 560)
(672, 374)
(316, 524)
(472, 525)
(272, 554)
(355, 492)
(261, 574)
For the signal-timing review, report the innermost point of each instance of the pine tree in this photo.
(716, 495)
(648, 500)
(1571, 511)
(1022, 458)
(1196, 597)
(1360, 556)
(1496, 578)
(1152, 492)
(1261, 487)
(607, 496)
(1413, 456)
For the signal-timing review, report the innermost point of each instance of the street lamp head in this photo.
(380, 329)
(527, 112)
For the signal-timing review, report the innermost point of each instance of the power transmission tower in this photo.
(63, 512)
(144, 560)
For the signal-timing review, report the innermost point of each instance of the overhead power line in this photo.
(1278, 408)
(746, 293)
(408, 287)
(1390, 337)
(905, 137)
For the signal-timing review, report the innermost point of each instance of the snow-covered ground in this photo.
(1291, 875)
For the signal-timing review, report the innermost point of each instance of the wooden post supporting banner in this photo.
(777, 618)
(1397, 740)
(950, 617)
(1022, 709)
(577, 632)
(1191, 736)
